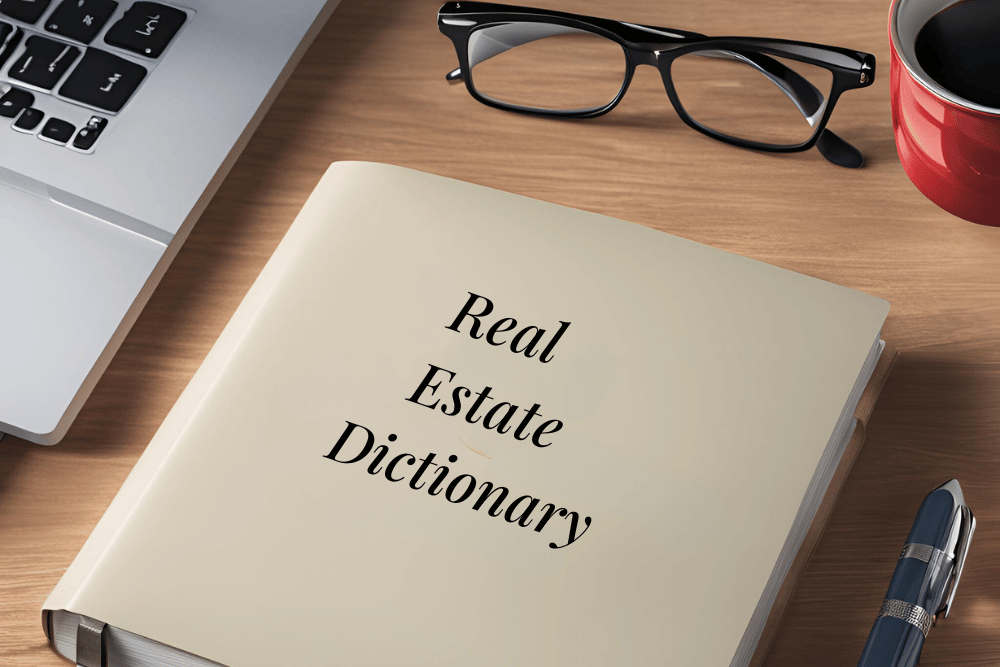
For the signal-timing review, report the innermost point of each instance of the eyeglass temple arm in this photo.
(838, 151)
(811, 103)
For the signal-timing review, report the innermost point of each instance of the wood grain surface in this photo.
(372, 87)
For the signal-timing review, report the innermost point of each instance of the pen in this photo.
(924, 582)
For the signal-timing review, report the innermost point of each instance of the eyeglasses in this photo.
(765, 94)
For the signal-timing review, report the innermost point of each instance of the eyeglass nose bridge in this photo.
(655, 58)
(638, 57)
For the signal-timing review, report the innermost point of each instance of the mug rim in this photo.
(909, 60)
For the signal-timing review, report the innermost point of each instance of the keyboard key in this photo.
(28, 11)
(28, 120)
(13, 101)
(10, 37)
(146, 28)
(57, 131)
(87, 136)
(103, 80)
(80, 19)
(43, 62)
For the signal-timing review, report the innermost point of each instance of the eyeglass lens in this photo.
(752, 96)
(745, 95)
(546, 67)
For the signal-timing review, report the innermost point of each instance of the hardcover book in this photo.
(450, 425)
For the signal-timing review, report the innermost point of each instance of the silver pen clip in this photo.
(965, 531)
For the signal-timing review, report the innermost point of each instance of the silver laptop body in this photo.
(86, 232)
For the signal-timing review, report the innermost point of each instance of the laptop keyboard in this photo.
(91, 53)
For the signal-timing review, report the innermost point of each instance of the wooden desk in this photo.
(372, 88)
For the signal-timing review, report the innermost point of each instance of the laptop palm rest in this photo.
(70, 279)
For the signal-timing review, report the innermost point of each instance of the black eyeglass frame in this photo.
(659, 47)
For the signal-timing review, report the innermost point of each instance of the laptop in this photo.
(118, 122)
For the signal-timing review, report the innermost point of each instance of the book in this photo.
(451, 425)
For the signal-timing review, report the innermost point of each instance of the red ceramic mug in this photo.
(949, 146)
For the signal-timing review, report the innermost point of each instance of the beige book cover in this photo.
(450, 425)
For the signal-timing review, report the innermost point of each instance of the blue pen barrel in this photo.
(917, 587)
(894, 642)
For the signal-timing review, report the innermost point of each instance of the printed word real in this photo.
(526, 341)
(522, 510)
(500, 416)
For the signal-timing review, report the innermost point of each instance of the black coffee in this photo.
(959, 47)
